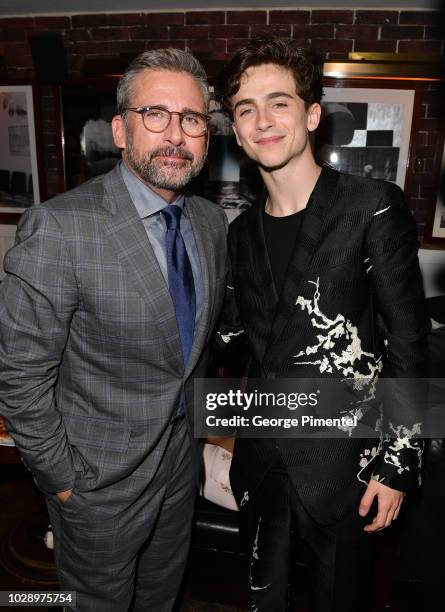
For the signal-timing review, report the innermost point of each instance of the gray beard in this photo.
(173, 176)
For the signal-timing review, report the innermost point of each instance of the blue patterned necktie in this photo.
(180, 279)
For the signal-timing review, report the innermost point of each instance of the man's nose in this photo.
(174, 133)
(264, 119)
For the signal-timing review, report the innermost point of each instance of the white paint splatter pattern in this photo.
(404, 440)
(226, 338)
(351, 361)
(363, 368)
(367, 456)
(393, 450)
(344, 362)
(255, 556)
(245, 499)
(379, 212)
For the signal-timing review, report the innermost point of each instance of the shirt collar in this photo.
(146, 201)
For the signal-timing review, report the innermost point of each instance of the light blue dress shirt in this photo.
(149, 205)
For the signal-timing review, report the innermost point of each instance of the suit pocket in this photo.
(101, 444)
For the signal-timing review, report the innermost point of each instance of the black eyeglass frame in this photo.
(140, 110)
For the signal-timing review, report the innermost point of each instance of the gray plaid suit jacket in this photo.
(90, 357)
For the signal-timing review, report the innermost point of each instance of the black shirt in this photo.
(280, 234)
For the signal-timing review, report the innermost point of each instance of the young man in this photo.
(315, 266)
(106, 312)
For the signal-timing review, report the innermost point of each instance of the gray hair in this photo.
(174, 60)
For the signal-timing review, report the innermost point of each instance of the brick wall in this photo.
(215, 35)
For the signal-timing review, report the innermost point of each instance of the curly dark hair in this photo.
(306, 67)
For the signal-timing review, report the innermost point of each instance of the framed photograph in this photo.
(20, 186)
(438, 229)
(229, 177)
(366, 131)
(435, 229)
(87, 108)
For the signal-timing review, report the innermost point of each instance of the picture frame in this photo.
(435, 228)
(229, 178)
(21, 166)
(366, 131)
(86, 109)
(389, 72)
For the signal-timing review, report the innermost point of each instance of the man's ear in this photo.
(236, 134)
(119, 133)
(313, 116)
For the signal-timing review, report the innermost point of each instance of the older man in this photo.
(110, 297)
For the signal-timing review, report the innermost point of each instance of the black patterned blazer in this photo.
(354, 272)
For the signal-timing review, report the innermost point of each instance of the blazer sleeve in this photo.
(398, 297)
(230, 334)
(37, 300)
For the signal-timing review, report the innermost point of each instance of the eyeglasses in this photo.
(158, 118)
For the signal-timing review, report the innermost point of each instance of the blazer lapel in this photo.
(260, 259)
(259, 279)
(127, 234)
(207, 255)
(319, 203)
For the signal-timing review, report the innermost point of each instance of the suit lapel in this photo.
(206, 254)
(264, 287)
(260, 260)
(319, 203)
(127, 234)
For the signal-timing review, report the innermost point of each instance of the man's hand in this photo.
(388, 504)
(64, 495)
